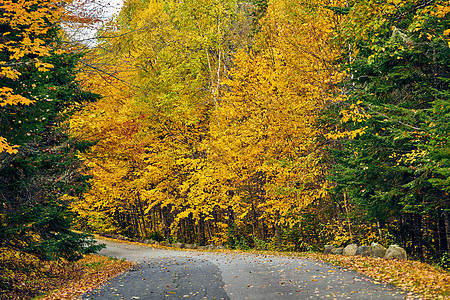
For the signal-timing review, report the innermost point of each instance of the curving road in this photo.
(175, 274)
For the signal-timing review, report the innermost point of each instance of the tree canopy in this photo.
(274, 124)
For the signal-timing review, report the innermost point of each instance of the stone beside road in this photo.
(375, 250)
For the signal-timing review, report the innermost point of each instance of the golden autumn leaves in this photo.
(224, 120)
(30, 26)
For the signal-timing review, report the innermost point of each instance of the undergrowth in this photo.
(24, 276)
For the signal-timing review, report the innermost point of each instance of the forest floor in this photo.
(418, 278)
(23, 277)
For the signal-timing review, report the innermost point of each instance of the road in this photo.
(176, 274)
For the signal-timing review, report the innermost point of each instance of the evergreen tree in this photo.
(395, 167)
(34, 216)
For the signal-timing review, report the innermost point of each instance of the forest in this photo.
(276, 125)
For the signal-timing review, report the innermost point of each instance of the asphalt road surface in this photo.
(172, 274)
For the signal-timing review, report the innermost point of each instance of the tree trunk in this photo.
(141, 213)
(208, 227)
(201, 231)
(447, 229)
(419, 237)
(277, 231)
(380, 233)
(163, 223)
(348, 218)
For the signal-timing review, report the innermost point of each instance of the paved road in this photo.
(171, 274)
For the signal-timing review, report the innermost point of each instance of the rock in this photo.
(337, 250)
(377, 250)
(220, 247)
(363, 251)
(150, 241)
(395, 252)
(107, 235)
(328, 248)
(350, 250)
(121, 237)
(210, 247)
(177, 245)
(191, 246)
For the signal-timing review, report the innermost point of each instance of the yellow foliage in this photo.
(31, 24)
(265, 128)
(205, 131)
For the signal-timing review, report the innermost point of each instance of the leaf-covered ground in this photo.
(419, 278)
(23, 276)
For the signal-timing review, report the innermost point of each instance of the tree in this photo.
(43, 168)
(15, 46)
(174, 55)
(392, 162)
(217, 127)
(267, 132)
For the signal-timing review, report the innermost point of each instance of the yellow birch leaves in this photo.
(230, 112)
(27, 21)
(267, 123)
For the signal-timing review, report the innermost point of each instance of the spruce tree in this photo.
(396, 168)
(34, 217)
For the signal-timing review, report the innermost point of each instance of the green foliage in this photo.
(260, 244)
(399, 67)
(33, 216)
(444, 261)
(339, 10)
(156, 236)
(238, 237)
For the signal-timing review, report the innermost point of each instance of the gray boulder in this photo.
(363, 251)
(191, 246)
(177, 245)
(395, 252)
(121, 237)
(350, 250)
(210, 247)
(328, 248)
(337, 251)
(377, 250)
